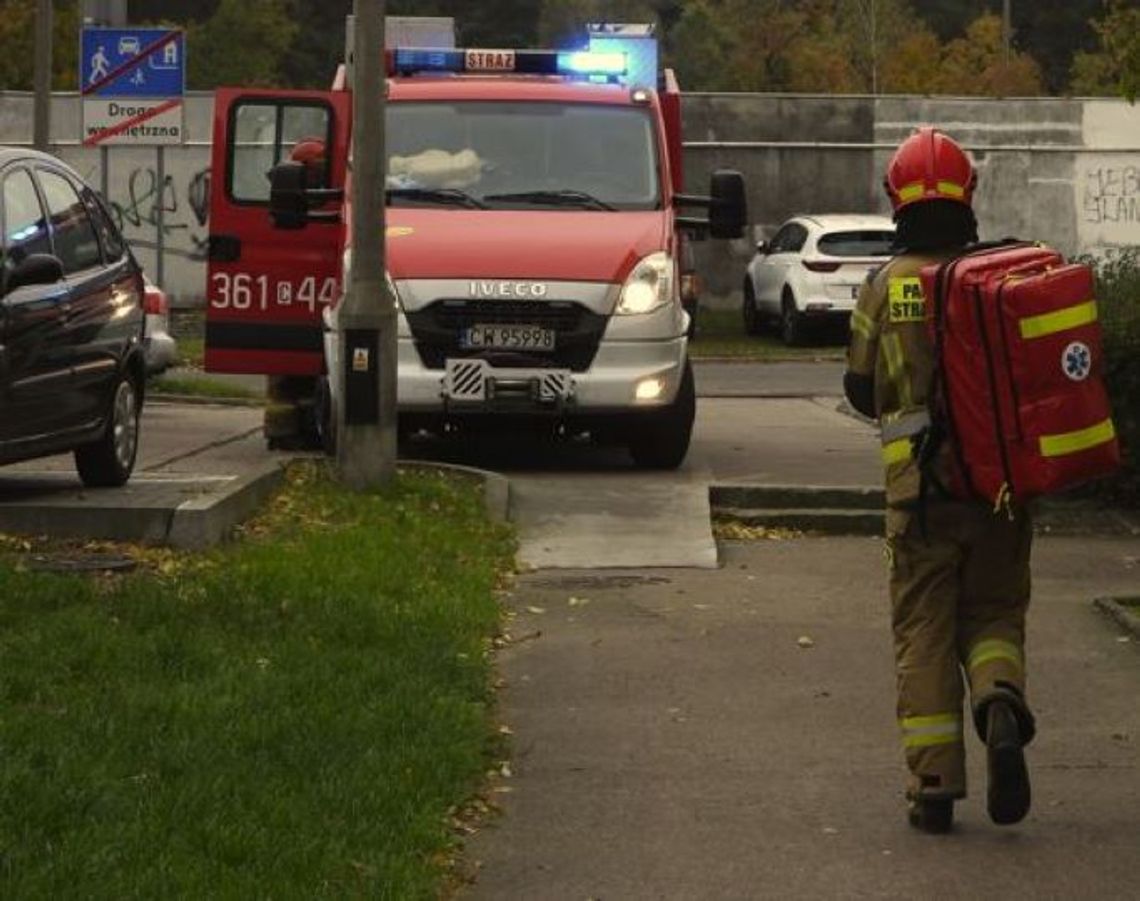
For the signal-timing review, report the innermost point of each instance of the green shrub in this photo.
(1118, 296)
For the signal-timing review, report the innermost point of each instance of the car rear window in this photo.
(857, 243)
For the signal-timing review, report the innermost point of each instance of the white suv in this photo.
(811, 270)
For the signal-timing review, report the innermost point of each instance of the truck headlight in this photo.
(650, 286)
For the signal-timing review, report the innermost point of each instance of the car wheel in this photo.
(109, 461)
(662, 438)
(791, 321)
(752, 321)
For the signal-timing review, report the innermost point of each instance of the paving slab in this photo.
(672, 739)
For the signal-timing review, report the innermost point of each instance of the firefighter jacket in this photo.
(890, 344)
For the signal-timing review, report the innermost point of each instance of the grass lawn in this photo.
(721, 336)
(296, 715)
(201, 386)
(191, 351)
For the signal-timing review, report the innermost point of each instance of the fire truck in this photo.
(534, 230)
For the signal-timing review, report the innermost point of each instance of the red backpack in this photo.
(1019, 384)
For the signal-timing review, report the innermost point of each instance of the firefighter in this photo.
(288, 421)
(959, 571)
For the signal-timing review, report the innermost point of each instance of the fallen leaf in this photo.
(805, 641)
(505, 771)
(536, 610)
(578, 602)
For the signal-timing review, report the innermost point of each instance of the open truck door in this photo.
(267, 284)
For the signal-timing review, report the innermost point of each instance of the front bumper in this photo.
(610, 384)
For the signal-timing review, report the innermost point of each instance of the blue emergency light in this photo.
(585, 64)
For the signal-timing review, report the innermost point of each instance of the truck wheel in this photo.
(109, 461)
(662, 438)
(791, 321)
(752, 322)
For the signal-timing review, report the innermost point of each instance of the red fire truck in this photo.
(533, 239)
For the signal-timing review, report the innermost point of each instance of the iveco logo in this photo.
(516, 290)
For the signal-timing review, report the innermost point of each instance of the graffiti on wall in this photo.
(1109, 198)
(137, 200)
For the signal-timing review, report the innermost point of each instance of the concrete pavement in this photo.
(672, 739)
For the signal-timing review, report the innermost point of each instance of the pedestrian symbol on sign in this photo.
(99, 65)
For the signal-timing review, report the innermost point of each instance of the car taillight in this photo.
(154, 302)
(821, 266)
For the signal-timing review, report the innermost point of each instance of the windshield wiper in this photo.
(566, 197)
(451, 196)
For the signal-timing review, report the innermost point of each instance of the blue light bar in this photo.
(586, 62)
(579, 64)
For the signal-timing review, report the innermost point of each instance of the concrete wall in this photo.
(1063, 171)
(1058, 170)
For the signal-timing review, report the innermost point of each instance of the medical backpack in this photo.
(1018, 383)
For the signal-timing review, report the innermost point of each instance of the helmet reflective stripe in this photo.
(994, 649)
(924, 731)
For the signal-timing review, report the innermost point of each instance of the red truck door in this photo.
(267, 286)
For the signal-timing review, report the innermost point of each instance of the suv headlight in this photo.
(650, 286)
(346, 271)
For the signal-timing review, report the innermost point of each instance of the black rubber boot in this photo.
(1008, 797)
(932, 815)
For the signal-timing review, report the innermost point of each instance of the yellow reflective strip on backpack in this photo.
(1074, 442)
(1058, 321)
(862, 324)
(950, 189)
(896, 451)
(994, 649)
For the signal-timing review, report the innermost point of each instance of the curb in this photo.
(203, 522)
(496, 487)
(1125, 618)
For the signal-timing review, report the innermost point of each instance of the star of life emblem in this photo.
(1076, 361)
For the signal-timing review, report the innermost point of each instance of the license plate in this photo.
(507, 337)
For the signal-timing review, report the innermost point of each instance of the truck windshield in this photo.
(506, 155)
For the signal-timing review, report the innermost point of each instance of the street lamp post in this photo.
(366, 417)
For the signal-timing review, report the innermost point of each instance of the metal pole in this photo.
(41, 124)
(1006, 28)
(366, 415)
(160, 217)
(104, 174)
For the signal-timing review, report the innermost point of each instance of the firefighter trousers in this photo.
(959, 588)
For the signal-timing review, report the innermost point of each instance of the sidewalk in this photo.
(672, 739)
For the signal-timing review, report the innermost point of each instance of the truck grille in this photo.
(437, 327)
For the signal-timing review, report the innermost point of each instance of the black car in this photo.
(72, 368)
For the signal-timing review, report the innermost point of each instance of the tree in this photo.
(1116, 67)
(18, 36)
(242, 43)
(975, 64)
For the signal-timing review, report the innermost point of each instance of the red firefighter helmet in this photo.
(310, 151)
(929, 165)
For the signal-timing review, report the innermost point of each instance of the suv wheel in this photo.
(109, 461)
(751, 315)
(791, 321)
(662, 438)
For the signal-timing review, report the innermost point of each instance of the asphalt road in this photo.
(785, 379)
(671, 738)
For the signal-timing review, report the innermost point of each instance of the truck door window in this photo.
(264, 133)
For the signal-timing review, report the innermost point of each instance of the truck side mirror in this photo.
(288, 205)
(34, 269)
(729, 208)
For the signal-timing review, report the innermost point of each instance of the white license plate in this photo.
(507, 337)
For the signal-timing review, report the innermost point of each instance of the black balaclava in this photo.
(934, 225)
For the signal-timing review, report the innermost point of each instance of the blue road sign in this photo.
(132, 62)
